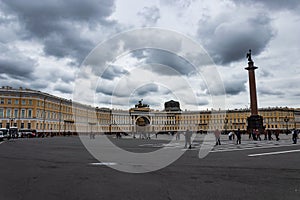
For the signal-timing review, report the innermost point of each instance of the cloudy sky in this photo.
(47, 45)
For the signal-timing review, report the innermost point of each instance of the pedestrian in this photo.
(257, 134)
(266, 134)
(217, 136)
(250, 134)
(230, 135)
(277, 135)
(148, 135)
(254, 134)
(294, 136)
(270, 135)
(188, 135)
(238, 136)
(177, 135)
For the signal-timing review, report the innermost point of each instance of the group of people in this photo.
(187, 136)
(231, 136)
(255, 135)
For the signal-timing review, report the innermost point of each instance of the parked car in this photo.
(28, 133)
(4, 135)
(13, 132)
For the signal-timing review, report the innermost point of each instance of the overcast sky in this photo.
(44, 44)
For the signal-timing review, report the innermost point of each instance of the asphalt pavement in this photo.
(62, 168)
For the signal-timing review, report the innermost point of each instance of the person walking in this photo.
(230, 135)
(258, 135)
(217, 136)
(277, 135)
(294, 136)
(238, 136)
(265, 134)
(270, 135)
(177, 134)
(188, 135)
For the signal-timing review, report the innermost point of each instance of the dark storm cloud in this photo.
(67, 43)
(146, 89)
(21, 68)
(234, 87)
(105, 90)
(38, 84)
(59, 24)
(228, 40)
(110, 90)
(150, 15)
(164, 62)
(113, 71)
(274, 4)
(63, 89)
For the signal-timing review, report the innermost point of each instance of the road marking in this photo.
(1, 142)
(273, 153)
(249, 148)
(104, 163)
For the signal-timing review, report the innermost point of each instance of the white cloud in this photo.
(42, 45)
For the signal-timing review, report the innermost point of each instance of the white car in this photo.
(3, 135)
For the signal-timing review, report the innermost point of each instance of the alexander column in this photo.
(255, 121)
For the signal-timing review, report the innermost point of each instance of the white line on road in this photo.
(273, 153)
(243, 148)
(104, 163)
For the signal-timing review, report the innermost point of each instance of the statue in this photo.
(141, 105)
(249, 56)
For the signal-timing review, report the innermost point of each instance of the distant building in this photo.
(46, 113)
(172, 106)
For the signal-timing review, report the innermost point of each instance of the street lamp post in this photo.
(286, 119)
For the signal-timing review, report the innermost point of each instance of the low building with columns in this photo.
(34, 110)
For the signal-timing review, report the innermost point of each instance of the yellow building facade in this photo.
(45, 113)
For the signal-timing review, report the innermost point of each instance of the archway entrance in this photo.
(142, 121)
(143, 126)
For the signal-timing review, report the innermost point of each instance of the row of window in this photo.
(7, 125)
(14, 113)
(16, 101)
(30, 103)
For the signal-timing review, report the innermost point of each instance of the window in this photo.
(8, 112)
(30, 102)
(8, 101)
(29, 113)
(23, 102)
(22, 125)
(1, 113)
(16, 101)
(29, 125)
(22, 113)
(16, 113)
(2, 101)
